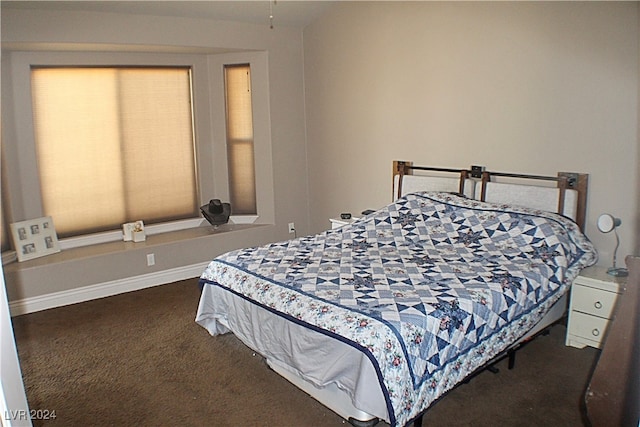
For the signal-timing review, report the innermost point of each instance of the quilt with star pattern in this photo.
(430, 287)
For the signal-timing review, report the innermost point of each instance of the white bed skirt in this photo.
(336, 374)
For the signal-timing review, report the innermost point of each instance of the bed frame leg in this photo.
(493, 369)
(512, 358)
(360, 423)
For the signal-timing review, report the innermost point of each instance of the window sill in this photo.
(150, 230)
(119, 246)
(114, 236)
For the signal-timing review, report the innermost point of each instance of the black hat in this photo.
(216, 212)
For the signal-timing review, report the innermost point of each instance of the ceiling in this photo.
(285, 12)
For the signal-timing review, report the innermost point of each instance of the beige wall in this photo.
(637, 178)
(523, 87)
(520, 87)
(286, 180)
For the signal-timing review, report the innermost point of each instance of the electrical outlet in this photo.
(476, 171)
(292, 227)
(151, 260)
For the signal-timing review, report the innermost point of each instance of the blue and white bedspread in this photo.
(430, 287)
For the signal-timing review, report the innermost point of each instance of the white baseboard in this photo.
(101, 290)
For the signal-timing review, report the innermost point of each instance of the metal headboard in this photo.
(564, 181)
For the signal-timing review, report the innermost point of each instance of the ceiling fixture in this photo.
(271, 4)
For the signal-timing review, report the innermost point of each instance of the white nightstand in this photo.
(593, 297)
(338, 222)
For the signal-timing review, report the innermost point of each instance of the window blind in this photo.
(114, 145)
(240, 143)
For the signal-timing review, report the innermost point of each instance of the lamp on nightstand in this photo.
(607, 223)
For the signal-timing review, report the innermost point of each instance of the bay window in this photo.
(95, 145)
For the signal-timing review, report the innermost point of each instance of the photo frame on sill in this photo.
(34, 238)
(133, 231)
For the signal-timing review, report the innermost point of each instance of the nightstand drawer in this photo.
(593, 301)
(593, 298)
(588, 327)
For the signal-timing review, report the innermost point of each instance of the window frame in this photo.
(117, 172)
(233, 141)
(210, 146)
(261, 131)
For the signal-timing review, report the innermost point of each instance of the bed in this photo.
(381, 317)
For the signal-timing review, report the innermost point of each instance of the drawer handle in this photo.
(595, 332)
(598, 305)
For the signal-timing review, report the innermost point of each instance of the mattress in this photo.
(426, 290)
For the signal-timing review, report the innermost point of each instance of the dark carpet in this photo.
(139, 359)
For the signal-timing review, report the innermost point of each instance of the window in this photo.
(240, 149)
(114, 145)
(199, 93)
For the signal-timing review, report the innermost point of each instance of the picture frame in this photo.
(133, 231)
(34, 238)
